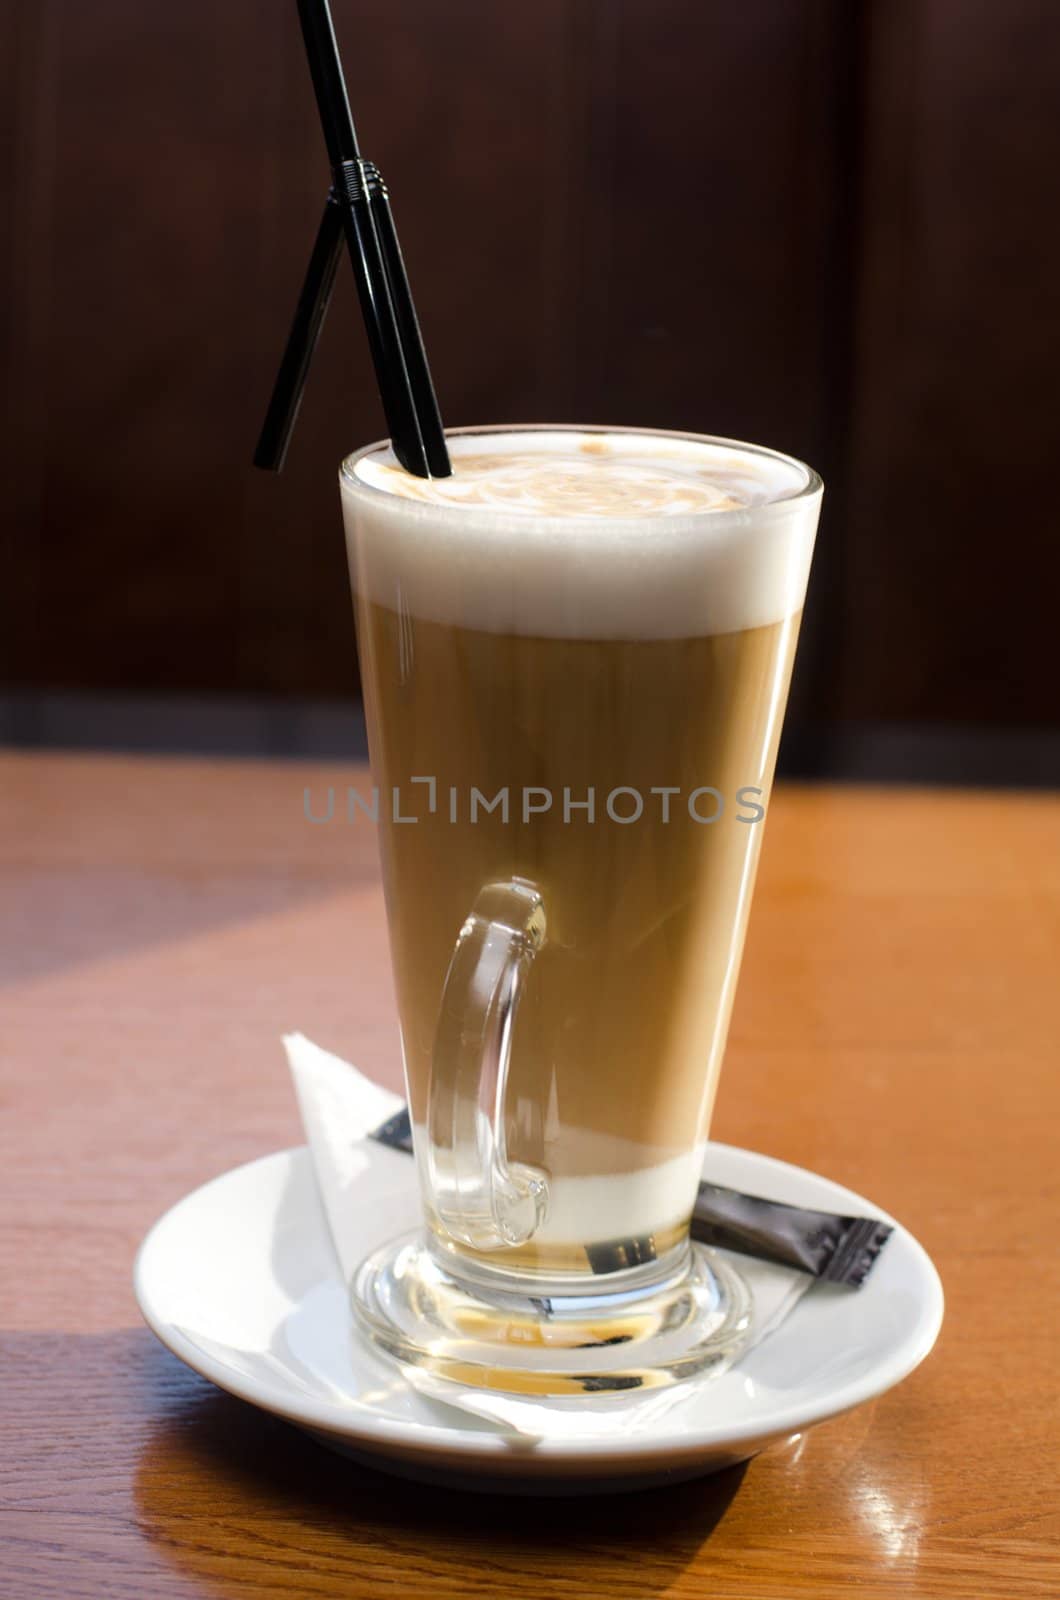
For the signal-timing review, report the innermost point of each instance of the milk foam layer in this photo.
(629, 1203)
(579, 534)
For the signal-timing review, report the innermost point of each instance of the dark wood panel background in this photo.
(822, 224)
(952, 531)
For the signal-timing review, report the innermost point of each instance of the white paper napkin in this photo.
(339, 1108)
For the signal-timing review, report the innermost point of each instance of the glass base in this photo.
(687, 1318)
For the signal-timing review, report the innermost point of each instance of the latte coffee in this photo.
(575, 655)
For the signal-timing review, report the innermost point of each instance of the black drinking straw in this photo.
(357, 209)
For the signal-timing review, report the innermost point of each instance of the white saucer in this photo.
(239, 1280)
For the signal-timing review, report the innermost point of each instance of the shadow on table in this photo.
(100, 914)
(237, 1497)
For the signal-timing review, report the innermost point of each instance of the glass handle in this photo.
(483, 1199)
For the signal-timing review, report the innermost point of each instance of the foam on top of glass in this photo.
(554, 474)
(572, 533)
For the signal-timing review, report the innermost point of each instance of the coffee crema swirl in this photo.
(581, 482)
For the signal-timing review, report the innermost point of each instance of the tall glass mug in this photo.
(575, 655)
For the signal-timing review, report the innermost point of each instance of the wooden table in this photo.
(165, 920)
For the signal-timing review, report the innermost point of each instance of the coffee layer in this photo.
(618, 1041)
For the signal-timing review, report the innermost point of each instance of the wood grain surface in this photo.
(165, 920)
